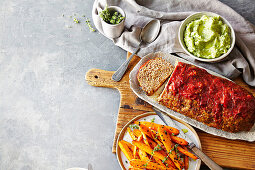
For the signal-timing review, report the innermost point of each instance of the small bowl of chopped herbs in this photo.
(113, 19)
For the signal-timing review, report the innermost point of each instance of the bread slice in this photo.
(153, 74)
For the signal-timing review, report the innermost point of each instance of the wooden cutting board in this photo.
(227, 153)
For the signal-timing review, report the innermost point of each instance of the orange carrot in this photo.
(163, 152)
(137, 163)
(155, 126)
(166, 139)
(186, 159)
(153, 133)
(181, 162)
(132, 168)
(131, 134)
(137, 132)
(143, 155)
(135, 151)
(156, 137)
(149, 150)
(173, 130)
(145, 139)
(145, 130)
(130, 146)
(179, 140)
(140, 138)
(159, 161)
(186, 152)
(127, 152)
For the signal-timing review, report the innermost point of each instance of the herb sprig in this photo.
(133, 126)
(89, 25)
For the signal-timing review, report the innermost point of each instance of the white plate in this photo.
(134, 85)
(123, 161)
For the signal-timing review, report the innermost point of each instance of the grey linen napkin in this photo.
(171, 13)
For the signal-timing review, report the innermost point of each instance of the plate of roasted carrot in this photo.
(147, 143)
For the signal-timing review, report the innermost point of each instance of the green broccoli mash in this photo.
(207, 37)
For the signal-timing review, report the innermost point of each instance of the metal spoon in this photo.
(148, 34)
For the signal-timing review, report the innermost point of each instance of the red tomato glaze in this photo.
(212, 93)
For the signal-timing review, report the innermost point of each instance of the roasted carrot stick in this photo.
(145, 139)
(140, 138)
(127, 152)
(186, 159)
(156, 137)
(131, 134)
(159, 161)
(130, 146)
(132, 168)
(166, 139)
(155, 126)
(135, 151)
(154, 144)
(179, 140)
(186, 152)
(181, 162)
(143, 155)
(137, 132)
(173, 130)
(137, 163)
(145, 130)
(149, 150)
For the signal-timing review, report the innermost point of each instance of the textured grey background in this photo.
(50, 118)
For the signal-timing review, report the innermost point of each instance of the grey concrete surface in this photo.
(50, 118)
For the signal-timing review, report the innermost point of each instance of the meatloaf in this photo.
(212, 100)
(153, 74)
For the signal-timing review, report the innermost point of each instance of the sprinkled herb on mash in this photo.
(207, 37)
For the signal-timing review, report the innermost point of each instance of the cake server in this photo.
(169, 122)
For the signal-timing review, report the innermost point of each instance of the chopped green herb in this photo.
(153, 120)
(171, 150)
(111, 18)
(165, 158)
(89, 25)
(175, 147)
(178, 155)
(83, 15)
(157, 148)
(76, 20)
(63, 15)
(134, 126)
(145, 165)
(185, 130)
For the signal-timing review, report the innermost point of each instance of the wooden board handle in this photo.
(100, 78)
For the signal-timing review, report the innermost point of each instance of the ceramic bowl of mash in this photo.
(206, 36)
